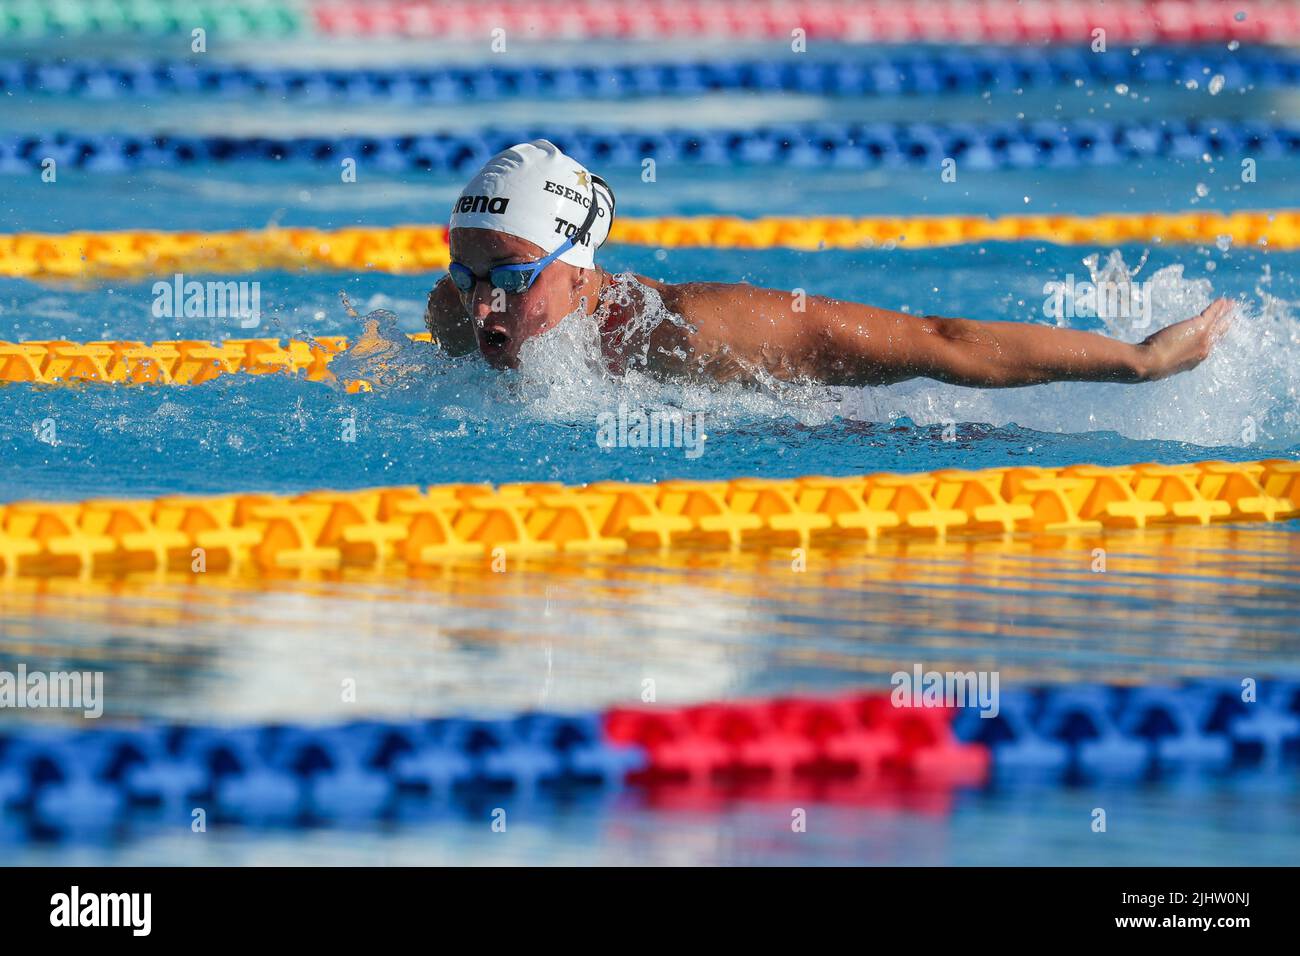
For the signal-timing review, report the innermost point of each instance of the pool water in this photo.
(570, 635)
(712, 625)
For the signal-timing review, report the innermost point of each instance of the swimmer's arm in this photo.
(445, 318)
(844, 343)
(1006, 354)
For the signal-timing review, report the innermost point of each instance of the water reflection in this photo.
(576, 633)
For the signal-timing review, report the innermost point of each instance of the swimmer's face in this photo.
(503, 322)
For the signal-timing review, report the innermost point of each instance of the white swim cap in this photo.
(537, 193)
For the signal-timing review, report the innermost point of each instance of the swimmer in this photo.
(523, 238)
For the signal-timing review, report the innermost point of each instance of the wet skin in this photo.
(730, 329)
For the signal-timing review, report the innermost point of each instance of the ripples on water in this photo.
(431, 418)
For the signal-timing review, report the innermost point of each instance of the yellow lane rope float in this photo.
(181, 362)
(409, 526)
(413, 249)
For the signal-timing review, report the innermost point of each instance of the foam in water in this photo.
(1244, 394)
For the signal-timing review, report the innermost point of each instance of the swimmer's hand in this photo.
(1185, 345)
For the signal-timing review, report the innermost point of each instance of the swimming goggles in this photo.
(518, 277)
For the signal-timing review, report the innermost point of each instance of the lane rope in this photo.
(179, 362)
(852, 145)
(68, 784)
(141, 253)
(853, 21)
(907, 73)
(49, 19)
(382, 528)
(860, 21)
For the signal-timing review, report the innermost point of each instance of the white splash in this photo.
(1245, 393)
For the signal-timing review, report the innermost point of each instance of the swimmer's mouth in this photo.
(495, 344)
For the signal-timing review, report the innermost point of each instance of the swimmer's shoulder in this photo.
(694, 303)
(695, 300)
(676, 297)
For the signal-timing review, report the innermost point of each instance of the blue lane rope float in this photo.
(839, 145)
(63, 783)
(893, 74)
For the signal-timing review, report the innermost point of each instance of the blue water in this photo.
(1240, 822)
(453, 420)
(573, 634)
(1219, 602)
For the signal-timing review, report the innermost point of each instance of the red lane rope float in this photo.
(858, 738)
(939, 21)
